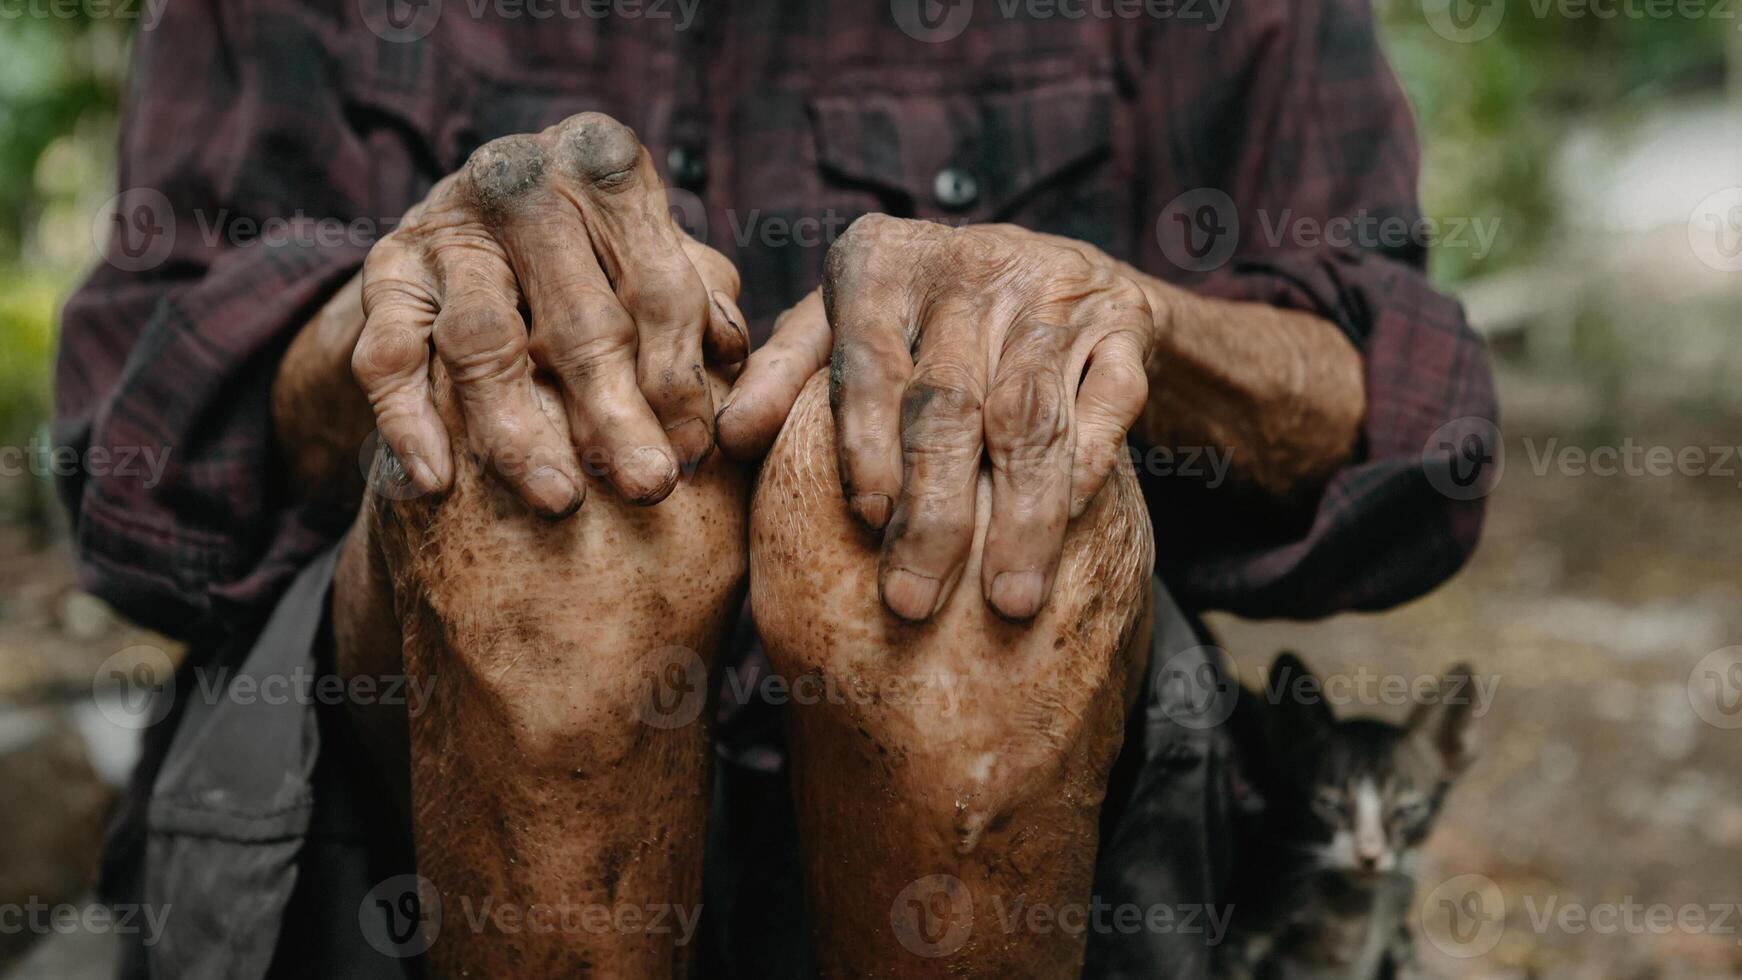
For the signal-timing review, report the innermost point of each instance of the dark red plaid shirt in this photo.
(268, 142)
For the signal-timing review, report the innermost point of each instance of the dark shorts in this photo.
(273, 856)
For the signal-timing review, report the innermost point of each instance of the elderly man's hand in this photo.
(568, 229)
(950, 343)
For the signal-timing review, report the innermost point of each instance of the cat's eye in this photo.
(1331, 803)
(1409, 811)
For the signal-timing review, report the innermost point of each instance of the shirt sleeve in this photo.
(1313, 164)
(244, 207)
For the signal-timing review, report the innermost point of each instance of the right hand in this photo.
(572, 225)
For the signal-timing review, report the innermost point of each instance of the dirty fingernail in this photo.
(872, 509)
(910, 595)
(552, 491)
(690, 439)
(422, 476)
(724, 304)
(1017, 595)
(647, 474)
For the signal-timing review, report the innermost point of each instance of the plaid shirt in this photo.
(268, 142)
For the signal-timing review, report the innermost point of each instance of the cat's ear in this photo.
(1447, 719)
(1299, 698)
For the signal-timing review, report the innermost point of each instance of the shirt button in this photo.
(688, 167)
(956, 189)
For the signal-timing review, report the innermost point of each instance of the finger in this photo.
(726, 339)
(391, 363)
(932, 529)
(584, 336)
(1027, 428)
(759, 402)
(482, 342)
(638, 246)
(870, 312)
(1112, 395)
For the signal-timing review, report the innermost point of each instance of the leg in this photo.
(559, 767)
(948, 777)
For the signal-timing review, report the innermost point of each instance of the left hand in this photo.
(946, 343)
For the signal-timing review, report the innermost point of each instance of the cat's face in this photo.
(1361, 794)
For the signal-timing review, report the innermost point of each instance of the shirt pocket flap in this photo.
(963, 156)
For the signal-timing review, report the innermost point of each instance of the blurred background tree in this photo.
(60, 83)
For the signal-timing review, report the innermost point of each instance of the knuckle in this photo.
(1025, 409)
(939, 394)
(665, 296)
(573, 356)
(505, 171)
(598, 150)
(861, 364)
(672, 384)
(382, 354)
(854, 250)
(476, 345)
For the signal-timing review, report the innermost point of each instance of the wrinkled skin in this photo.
(564, 756)
(969, 746)
(572, 223)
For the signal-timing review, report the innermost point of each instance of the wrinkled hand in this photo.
(571, 226)
(946, 344)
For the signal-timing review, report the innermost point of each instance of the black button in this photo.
(688, 166)
(956, 189)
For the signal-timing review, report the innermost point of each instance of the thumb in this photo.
(757, 406)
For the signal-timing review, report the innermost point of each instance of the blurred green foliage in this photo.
(1491, 114)
(60, 82)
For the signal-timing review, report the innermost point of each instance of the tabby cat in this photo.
(1330, 814)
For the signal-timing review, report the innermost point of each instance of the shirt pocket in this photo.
(1041, 156)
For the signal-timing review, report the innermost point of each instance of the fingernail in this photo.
(723, 303)
(1017, 595)
(422, 476)
(872, 509)
(691, 440)
(910, 595)
(553, 492)
(1079, 504)
(648, 474)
